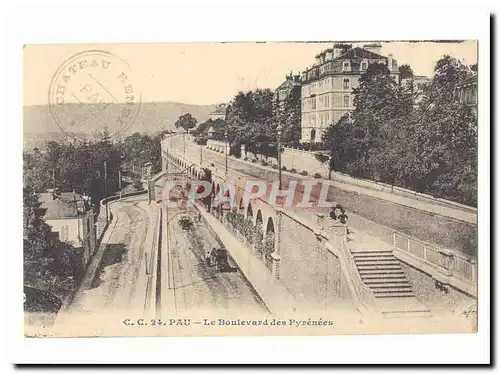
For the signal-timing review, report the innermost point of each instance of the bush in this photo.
(322, 157)
(293, 170)
(274, 166)
(246, 159)
(317, 175)
(304, 172)
(254, 161)
(265, 163)
(284, 168)
(186, 223)
(137, 184)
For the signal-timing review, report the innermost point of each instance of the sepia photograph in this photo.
(257, 188)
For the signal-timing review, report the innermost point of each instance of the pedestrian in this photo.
(213, 257)
(332, 214)
(208, 260)
(343, 219)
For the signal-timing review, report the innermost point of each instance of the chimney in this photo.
(318, 60)
(340, 49)
(389, 62)
(373, 47)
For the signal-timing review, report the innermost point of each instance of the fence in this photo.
(449, 262)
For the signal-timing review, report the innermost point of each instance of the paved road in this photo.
(383, 215)
(119, 281)
(197, 289)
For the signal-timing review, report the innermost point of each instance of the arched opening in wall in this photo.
(241, 208)
(258, 219)
(313, 135)
(249, 211)
(259, 235)
(269, 243)
(270, 226)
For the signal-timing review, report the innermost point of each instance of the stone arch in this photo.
(270, 226)
(269, 243)
(258, 218)
(249, 211)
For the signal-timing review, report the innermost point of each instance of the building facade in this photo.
(327, 86)
(219, 112)
(71, 216)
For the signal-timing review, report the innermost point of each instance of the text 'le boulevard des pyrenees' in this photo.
(250, 188)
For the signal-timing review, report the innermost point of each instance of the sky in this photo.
(211, 73)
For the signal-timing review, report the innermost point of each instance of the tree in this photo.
(290, 117)
(49, 264)
(250, 120)
(186, 122)
(405, 72)
(358, 140)
(445, 137)
(430, 149)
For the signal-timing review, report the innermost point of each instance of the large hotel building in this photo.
(327, 86)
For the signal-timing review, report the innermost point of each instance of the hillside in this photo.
(39, 125)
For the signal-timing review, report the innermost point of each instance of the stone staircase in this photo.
(383, 274)
(393, 292)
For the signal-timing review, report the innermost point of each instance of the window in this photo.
(364, 66)
(327, 101)
(313, 103)
(346, 101)
(346, 66)
(346, 83)
(64, 233)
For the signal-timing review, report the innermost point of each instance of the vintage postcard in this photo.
(270, 188)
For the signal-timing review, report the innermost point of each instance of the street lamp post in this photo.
(279, 130)
(225, 141)
(276, 255)
(184, 141)
(106, 189)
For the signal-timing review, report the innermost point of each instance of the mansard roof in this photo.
(359, 53)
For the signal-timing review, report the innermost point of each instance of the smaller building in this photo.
(287, 87)
(219, 112)
(466, 92)
(71, 216)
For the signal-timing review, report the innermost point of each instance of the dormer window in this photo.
(364, 65)
(346, 66)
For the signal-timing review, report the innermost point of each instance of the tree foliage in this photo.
(430, 148)
(49, 264)
(253, 116)
(186, 122)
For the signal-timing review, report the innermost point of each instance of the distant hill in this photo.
(39, 126)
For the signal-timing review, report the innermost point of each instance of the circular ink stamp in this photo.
(91, 91)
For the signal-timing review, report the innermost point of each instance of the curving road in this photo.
(115, 279)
